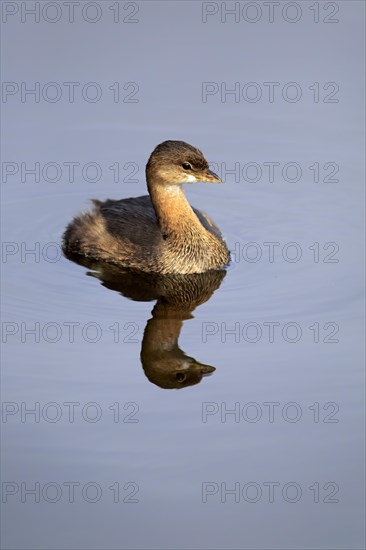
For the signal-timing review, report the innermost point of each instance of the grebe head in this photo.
(177, 162)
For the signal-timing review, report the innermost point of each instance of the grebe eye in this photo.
(187, 166)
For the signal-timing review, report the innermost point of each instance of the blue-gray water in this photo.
(171, 468)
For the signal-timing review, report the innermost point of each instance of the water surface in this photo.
(266, 451)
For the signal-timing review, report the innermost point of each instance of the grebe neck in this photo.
(174, 213)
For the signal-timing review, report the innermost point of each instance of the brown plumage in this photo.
(160, 233)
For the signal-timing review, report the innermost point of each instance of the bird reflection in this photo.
(164, 363)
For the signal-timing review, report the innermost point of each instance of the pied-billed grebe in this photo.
(161, 233)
